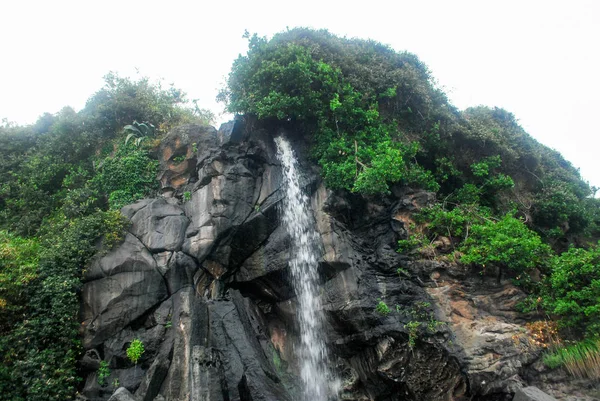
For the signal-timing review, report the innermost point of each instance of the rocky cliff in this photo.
(201, 279)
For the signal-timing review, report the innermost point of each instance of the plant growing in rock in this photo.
(135, 350)
(382, 308)
(126, 176)
(103, 373)
(187, 196)
(414, 241)
(412, 328)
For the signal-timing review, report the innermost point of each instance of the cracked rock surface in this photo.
(202, 280)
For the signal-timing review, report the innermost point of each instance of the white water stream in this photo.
(296, 217)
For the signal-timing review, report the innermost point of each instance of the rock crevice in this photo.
(202, 280)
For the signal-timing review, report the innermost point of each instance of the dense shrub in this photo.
(357, 149)
(18, 268)
(59, 176)
(35, 160)
(128, 175)
(39, 354)
(507, 243)
(574, 290)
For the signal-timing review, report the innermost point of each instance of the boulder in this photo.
(122, 394)
(532, 394)
(231, 131)
(129, 257)
(180, 151)
(160, 225)
(112, 303)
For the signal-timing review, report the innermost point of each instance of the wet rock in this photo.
(248, 373)
(265, 271)
(337, 252)
(208, 377)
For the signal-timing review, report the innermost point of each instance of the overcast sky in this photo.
(537, 59)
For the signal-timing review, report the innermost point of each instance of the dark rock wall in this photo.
(201, 279)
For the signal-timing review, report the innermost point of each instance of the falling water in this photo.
(303, 265)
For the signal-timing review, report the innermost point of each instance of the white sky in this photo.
(537, 59)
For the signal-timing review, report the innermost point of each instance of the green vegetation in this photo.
(39, 352)
(582, 359)
(421, 317)
(139, 132)
(506, 243)
(126, 176)
(103, 373)
(63, 180)
(376, 119)
(412, 328)
(573, 293)
(135, 350)
(354, 144)
(19, 259)
(382, 308)
(415, 240)
(276, 360)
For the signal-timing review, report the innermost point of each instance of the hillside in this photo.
(469, 193)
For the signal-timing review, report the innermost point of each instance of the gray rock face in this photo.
(110, 304)
(122, 394)
(130, 257)
(180, 151)
(122, 286)
(202, 280)
(532, 394)
(160, 225)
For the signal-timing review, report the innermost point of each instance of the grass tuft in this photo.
(581, 360)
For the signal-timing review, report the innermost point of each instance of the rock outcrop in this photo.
(202, 280)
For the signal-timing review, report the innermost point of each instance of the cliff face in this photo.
(201, 279)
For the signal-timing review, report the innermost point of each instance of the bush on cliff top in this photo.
(376, 118)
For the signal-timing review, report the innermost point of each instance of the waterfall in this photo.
(296, 217)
